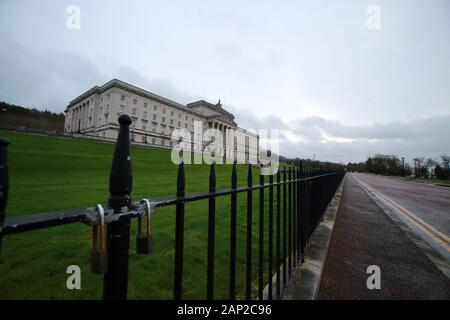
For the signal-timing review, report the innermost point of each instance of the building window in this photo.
(164, 110)
(122, 108)
(171, 121)
(122, 97)
(145, 104)
(163, 119)
(171, 113)
(154, 117)
(133, 111)
(153, 141)
(155, 108)
(134, 101)
(179, 116)
(145, 114)
(179, 123)
(144, 125)
(185, 125)
(192, 119)
(186, 118)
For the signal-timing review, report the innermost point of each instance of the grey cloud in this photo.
(52, 78)
(43, 80)
(429, 137)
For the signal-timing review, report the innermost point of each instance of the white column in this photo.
(82, 116)
(75, 116)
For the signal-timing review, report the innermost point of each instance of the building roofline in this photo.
(116, 83)
(216, 107)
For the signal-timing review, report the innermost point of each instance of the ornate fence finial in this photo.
(121, 179)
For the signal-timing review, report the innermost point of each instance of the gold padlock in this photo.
(99, 254)
(144, 241)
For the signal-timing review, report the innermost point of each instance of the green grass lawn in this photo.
(52, 173)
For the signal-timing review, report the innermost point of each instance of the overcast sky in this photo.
(314, 69)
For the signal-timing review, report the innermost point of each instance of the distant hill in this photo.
(21, 118)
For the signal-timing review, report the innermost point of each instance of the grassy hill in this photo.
(51, 173)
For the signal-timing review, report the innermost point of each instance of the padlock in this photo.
(99, 254)
(144, 241)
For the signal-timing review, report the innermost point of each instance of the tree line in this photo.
(393, 165)
(312, 163)
(20, 118)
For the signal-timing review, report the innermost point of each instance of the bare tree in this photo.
(445, 159)
(428, 164)
(417, 165)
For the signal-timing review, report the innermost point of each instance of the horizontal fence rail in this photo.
(297, 200)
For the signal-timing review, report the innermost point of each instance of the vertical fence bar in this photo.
(4, 182)
(179, 235)
(233, 222)
(284, 228)
(248, 279)
(211, 232)
(289, 223)
(299, 219)
(310, 203)
(308, 212)
(270, 264)
(118, 232)
(261, 239)
(302, 212)
(294, 217)
(278, 287)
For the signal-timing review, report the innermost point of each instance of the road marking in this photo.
(436, 235)
(411, 215)
(422, 183)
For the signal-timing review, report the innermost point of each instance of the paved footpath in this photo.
(364, 235)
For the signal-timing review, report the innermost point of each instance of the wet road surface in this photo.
(428, 202)
(365, 235)
(421, 210)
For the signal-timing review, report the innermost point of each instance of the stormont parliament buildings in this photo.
(95, 113)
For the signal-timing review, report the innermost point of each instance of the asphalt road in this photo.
(424, 207)
(364, 235)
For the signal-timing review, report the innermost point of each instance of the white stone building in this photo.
(95, 113)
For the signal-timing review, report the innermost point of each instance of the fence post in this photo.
(4, 182)
(179, 234)
(118, 233)
(261, 238)
(233, 223)
(248, 278)
(211, 232)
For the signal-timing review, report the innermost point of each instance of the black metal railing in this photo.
(301, 196)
